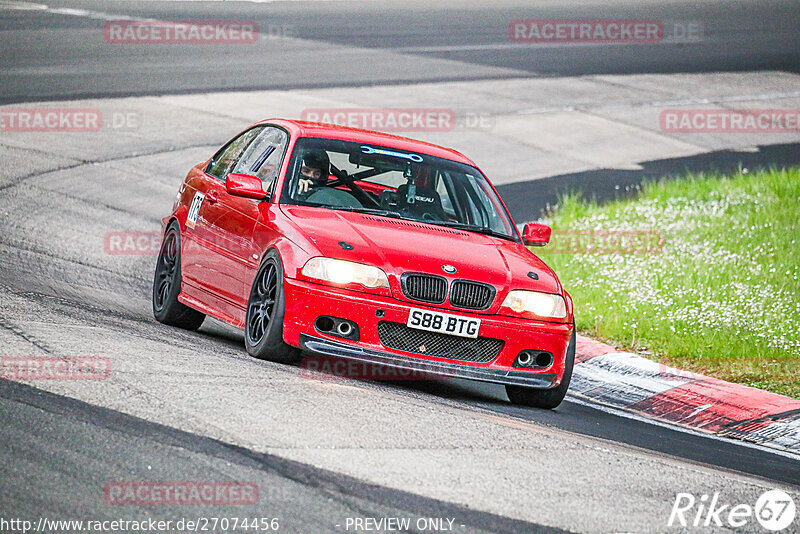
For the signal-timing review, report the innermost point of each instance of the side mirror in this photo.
(244, 185)
(536, 235)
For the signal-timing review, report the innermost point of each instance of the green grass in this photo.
(721, 297)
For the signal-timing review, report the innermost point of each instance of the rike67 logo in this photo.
(774, 510)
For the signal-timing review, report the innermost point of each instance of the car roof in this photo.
(333, 131)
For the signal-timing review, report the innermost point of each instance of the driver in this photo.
(315, 169)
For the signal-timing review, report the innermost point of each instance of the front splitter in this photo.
(427, 367)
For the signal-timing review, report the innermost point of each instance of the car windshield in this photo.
(370, 178)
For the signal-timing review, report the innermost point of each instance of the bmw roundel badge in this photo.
(449, 269)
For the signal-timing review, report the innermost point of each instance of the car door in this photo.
(237, 218)
(206, 259)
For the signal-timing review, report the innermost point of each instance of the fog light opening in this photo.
(324, 324)
(544, 359)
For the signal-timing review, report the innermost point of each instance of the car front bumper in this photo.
(305, 302)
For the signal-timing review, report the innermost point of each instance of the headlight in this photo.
(540, 304)
(345, 272)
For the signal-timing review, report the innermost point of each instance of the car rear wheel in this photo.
(167, 285)
(263, 334)
(546, 398)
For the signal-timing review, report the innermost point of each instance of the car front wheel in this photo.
(263, 335)
(546, 398)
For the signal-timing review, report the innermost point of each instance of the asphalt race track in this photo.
(193, 406)
(58, 53)
(306, 499)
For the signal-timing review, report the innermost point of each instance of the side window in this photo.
(263, 156)
(224, 161)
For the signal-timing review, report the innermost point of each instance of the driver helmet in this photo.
(317, 159)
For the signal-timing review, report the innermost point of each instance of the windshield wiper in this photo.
(472, 228)
(361, 209)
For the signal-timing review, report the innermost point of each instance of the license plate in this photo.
(444, 323)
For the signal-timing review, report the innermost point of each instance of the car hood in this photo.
(399, 246)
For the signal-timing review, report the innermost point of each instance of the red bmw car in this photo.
(362, 245)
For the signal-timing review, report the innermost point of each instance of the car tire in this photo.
(167, 285)
(546, 398)
(263, 325)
